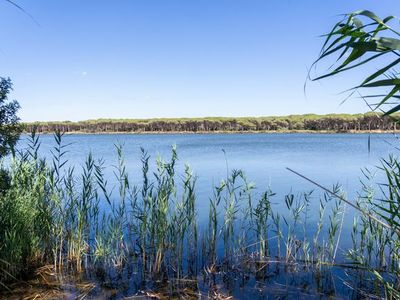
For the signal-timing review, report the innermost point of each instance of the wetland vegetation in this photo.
(67, 232)
(83, 237)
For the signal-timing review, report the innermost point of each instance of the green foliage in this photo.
(4, 180)
(24, 216)
(309, 122)
(359, 39)
(10, 128)
(79, 223)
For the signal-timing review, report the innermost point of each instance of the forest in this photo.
(308, 122)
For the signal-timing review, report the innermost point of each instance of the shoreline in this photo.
(308, 123)
(223, 132)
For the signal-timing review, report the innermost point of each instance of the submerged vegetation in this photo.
(147, 239)
(310, 122)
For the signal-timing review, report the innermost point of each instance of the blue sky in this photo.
(172, 58)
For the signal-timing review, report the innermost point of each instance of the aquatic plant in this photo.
(79, 223)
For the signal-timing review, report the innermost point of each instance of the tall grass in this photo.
(75, 220)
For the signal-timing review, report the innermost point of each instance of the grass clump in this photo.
(75, 221)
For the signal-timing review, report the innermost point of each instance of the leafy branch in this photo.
(358, 39)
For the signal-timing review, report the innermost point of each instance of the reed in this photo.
(78, 222)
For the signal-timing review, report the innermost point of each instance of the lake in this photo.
(326, 158)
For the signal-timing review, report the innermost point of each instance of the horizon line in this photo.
(203, 118)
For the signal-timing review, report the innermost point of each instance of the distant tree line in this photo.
(310, 122)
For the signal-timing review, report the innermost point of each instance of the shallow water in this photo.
(326, 158)
(270, 281)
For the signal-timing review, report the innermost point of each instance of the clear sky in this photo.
(172, 58)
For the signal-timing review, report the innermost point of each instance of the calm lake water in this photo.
(325, 158)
